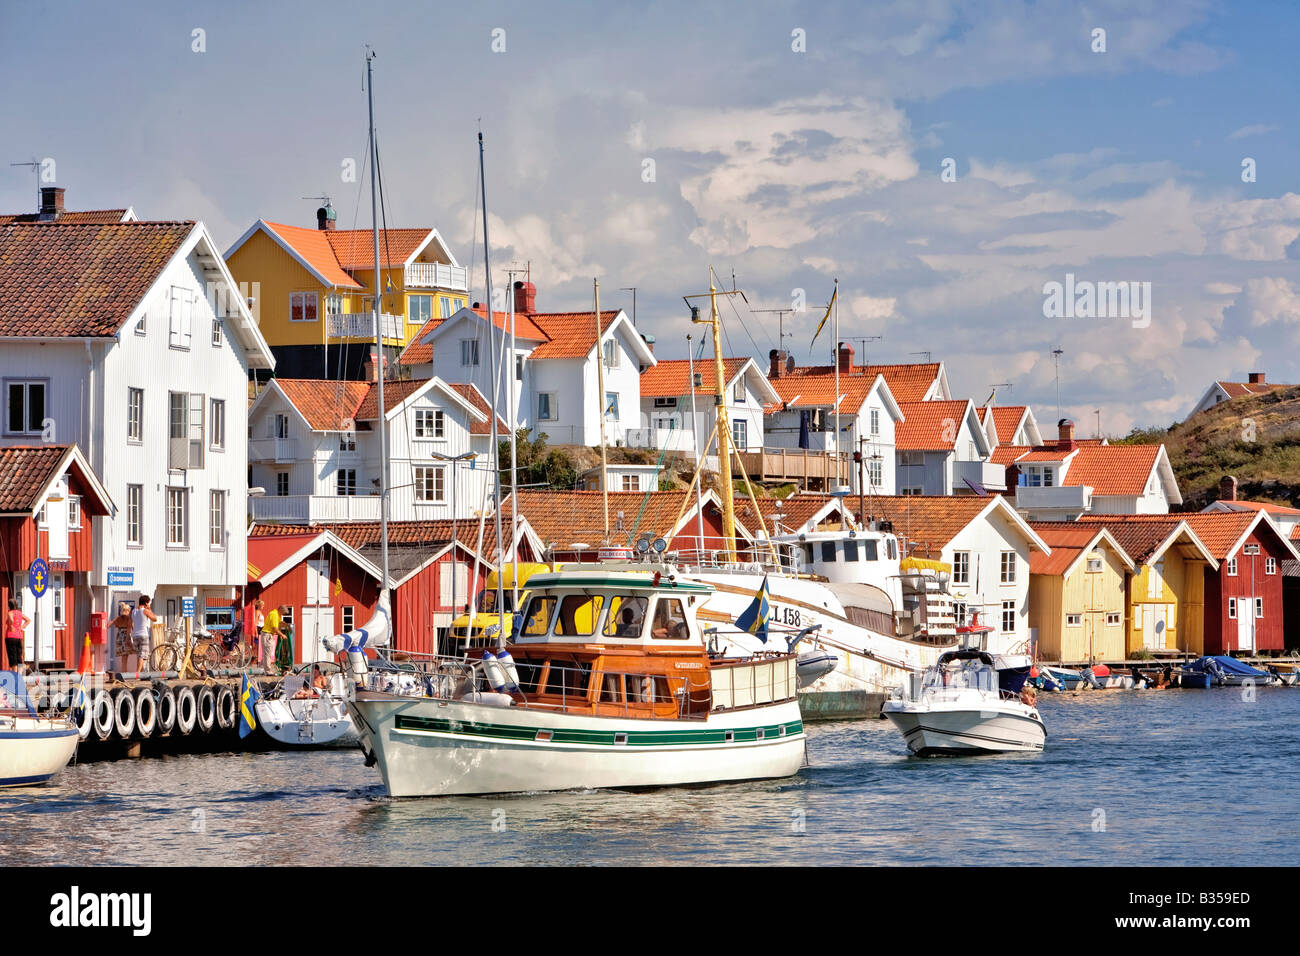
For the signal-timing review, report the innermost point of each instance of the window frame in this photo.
(965, 567)
(136, 492)
(180, 318)
(1259, 608)
(345, 482)
(1270, 565)
(430, 484)
(278, 476)
(74, 503)
(135, 410)
(1009, 607)
(304, 297)
(217, 424)
(469, 351)
(1232, 608)
(217, 519)
(184, 494)
(1231, 569)
(59, 610)
(552, 407)
(26, 385)
(1003, 577)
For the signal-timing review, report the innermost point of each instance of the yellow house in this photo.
(313, 291)
(1166, 592)
(1077, 593)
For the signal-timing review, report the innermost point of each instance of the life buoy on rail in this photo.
(146, 711)
(187, 709)
(206, 707)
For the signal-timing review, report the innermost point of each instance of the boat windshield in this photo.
(962, 675)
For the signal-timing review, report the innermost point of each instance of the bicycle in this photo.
(208, 652)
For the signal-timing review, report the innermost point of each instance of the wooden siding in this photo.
(1222, 632)
(1090, 594)
(261, 260)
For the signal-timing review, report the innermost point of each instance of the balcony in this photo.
(435, 275)
(814, 470)
(310, 509)
(1073, 499)
(983, 474)
(361, 325)
(272, 449)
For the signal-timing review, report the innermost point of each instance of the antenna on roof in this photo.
(864, 339)
(781, 333)
(926, 354)
(994, 394)
(36, 169)
(1056, 360)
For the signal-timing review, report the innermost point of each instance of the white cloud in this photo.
(1257, 129)
(871, 307)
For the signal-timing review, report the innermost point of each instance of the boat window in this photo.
(529, 673)
(578, 614)
(871, 550)
(891, 548)
(611, 689)
(626, 616)
(850, 551)
(670, 621)
(568, 679)
(828, 551)
(808, 554)
(537, 616)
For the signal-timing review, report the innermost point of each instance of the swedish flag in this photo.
(829, 306)
(248, 698)
(754, 620)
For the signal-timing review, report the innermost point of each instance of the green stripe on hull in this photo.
(604, 738)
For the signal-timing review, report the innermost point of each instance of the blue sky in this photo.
(791, 168)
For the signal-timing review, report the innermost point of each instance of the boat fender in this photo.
(166, 707)
(187, 709)
(87, 720)
(102, 709)
(494, 672)
(488, 699)
(146, 711)
(124, 713)
(226, 708)
(206, 707)
(511, 672)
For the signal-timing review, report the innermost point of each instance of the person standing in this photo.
(270, 634)
(15, 624)
(142, 619)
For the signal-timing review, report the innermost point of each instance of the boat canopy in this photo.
(1229, 665)
(13, 693)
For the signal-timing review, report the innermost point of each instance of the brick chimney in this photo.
(1065, 434)
(776, 360)
(525, 298)
(1257, 378)
(51, 203)
(1227, 488)
(370, 371)
(326, 218)
(845, 356)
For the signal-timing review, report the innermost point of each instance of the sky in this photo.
(945, 161)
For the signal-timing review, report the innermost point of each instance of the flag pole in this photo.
(835, 360)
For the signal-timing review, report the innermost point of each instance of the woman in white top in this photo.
(141, 619)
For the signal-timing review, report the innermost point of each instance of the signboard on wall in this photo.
(187, 607)
(120, 577)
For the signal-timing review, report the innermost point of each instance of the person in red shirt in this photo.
(15, 623)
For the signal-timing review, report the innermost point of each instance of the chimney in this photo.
(51, 203)
(1257, 378)
(326, 217)
(649, 340)
(845, 354)
(776, 363)
(370, 371)
(1227, 488)
(525, 298)
(1065, 432)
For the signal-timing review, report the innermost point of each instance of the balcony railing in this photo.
(1068, 498)
(435, 275)
(799, 464)
(361, 325)
(309, 509)
(272, 449)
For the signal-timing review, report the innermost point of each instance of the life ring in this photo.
(226, 708)
(187, 709)
(124, 713)
(206, 700)
(146, 712)
(166, 707)
(101, 707)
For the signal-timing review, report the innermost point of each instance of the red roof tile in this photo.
(1007, 454)
(929, 426)
(566, 517)
(394, 393)
(328, 406)
(568, 334)
(1238, 389)
(25, 471)
(80, 280)
(1113, 469)
(1139, 535)
(671, 377)
(1268, 506)
(1220, 530)
(472, 395)
(1067, 539)
(81, 216)
(928, 521)
(313, 247)
(355, 248)
(420, 352)
(1005, 420)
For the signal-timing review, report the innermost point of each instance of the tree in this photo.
(537, 463)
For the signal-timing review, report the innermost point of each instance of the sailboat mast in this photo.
(724, 429)
(835, 360)
(512, 397)
(695, 442)
(496, 395)
(379, 338)
(600, 389)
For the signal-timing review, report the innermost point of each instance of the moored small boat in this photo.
(33, 748)
(299, 714)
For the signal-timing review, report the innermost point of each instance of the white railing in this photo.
(361, 325)
(308, 509)
(272, 449)
(670, 439)
(435, 275)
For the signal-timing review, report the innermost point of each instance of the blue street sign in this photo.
(187, 607)
(38, 578)
(121, 579)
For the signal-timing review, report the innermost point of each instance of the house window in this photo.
(181, 318)
(1232, 607)
(961, 567)
(281, 484)
(910, 459)
(548, 408)
(611, 353)
(1112, 618)
(1232, 567)
(1008, 617)
(959, 612)
(26, 411)
(216, 332)
(347, 444)
(1155, 580)
(876, 472)
(739, 433)
(665, 403)
(74, 513)
(430, 484)
(738, 393)
(469, 351)
(302, 306)
(218, 416)
(347, 618)
(346, 482)
(519, 368)
(1259, 607)
(1073, 620)
(134, 494)
(177, 515)
(56, 587)
(135, 415)
(428, 423)
(334, 305)
(631, 483)
(419, 309)
(1270, 565)
(1008, 567)
(875, 421)
(912, 492)
(217, 519)
(1094, 564)
(186, 429)
(281, 426)
(445, 306)
(611, 405)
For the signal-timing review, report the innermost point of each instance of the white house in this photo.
(942, 449)
(988, 545)
(552, 372)
(666, 393)
(1010, 425)
(315, 450)
(1256, 384)
(623, 476)
(131, 340)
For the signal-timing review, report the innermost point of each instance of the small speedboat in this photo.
(1189, 678)
(814, 664)
(33, 748)
(1286, 674)
(958, 707)
(1225, 671)
(298, 714)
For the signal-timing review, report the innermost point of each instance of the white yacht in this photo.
(33, 748)
(958, 707)
(297, 714)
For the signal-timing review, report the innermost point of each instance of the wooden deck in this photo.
(813, 470)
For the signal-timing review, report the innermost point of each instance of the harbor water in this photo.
(1128, 777)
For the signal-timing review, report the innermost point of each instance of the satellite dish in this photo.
(642, 545)
(789, 363)
(660, 545)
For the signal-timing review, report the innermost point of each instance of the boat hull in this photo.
(932, 731)
(33, 750)
(306, 723)
(430, 747)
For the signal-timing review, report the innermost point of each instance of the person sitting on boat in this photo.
(308, 691)
(630, 618)
(318, 680)
(1028, 695)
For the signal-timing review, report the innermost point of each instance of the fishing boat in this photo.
(958, 707)
(33, 748)
(607, 684)
(295, 713)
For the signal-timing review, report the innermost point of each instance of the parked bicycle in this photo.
(209, 651)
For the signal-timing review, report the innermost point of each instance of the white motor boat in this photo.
(33, 748)
(957, 707)
(298, 714)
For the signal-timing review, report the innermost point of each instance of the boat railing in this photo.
(760, 562)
